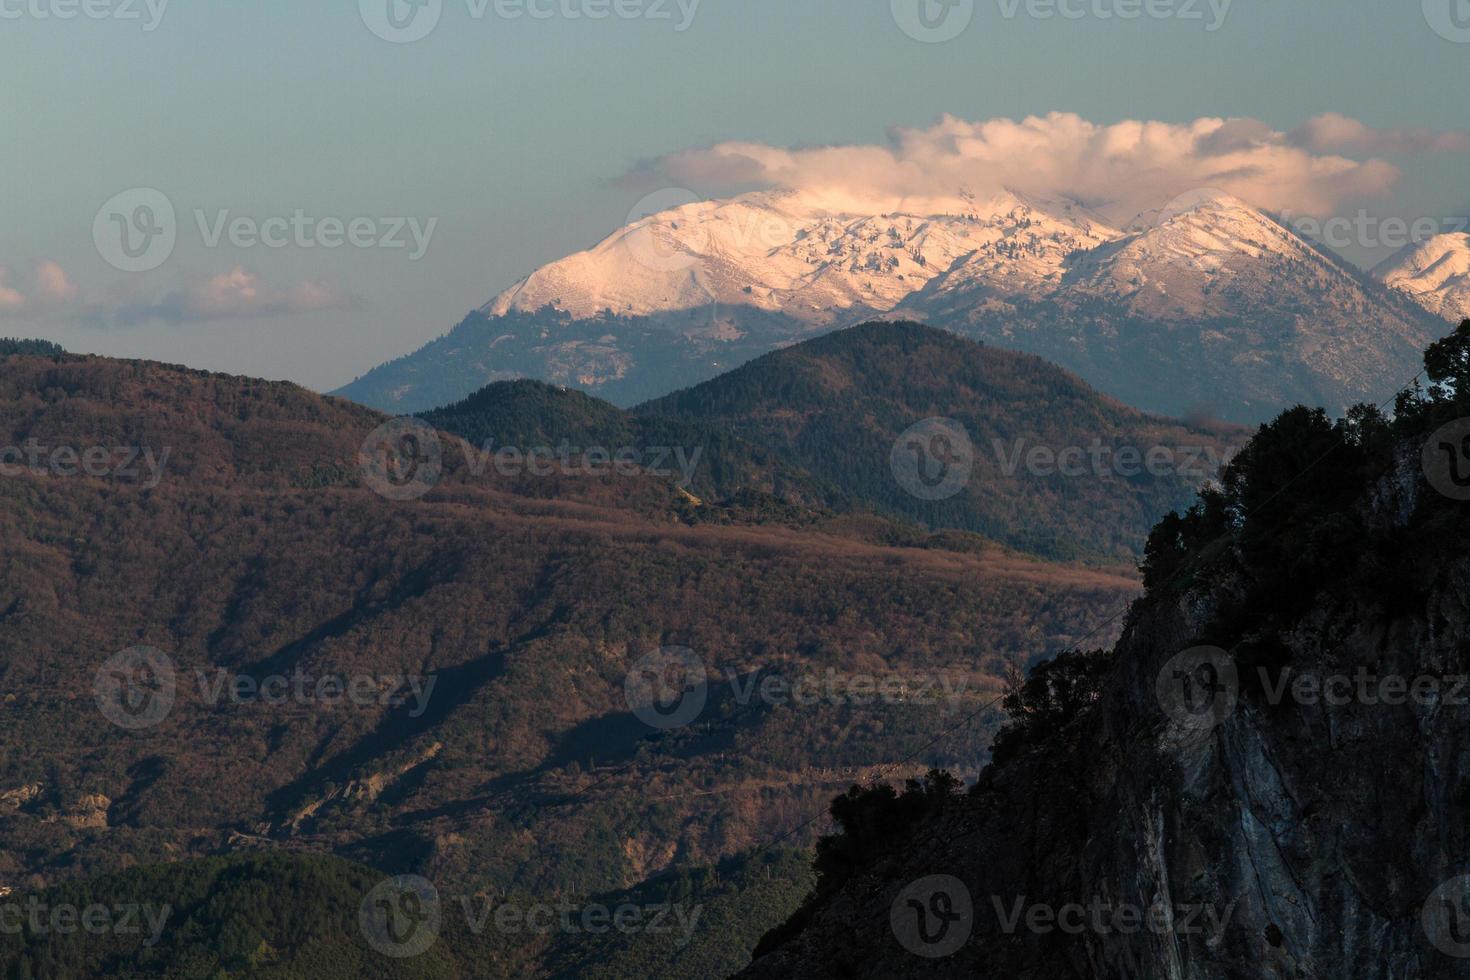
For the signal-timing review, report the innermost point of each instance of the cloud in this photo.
(1119, 169)
(52, 283)
(52, 290)
(11, 300)
(1331, 132)
(237, 294)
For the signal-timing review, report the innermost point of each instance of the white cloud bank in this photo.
(1120, 169)
(237, 294)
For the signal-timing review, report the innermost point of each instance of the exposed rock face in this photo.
(89, 812)
(12, 800)
(1286, 836)
(1321, 830)
(366, 789)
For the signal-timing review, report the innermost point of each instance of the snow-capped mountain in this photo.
(778, 253)
(1205, 305)
(1213, 306)
(1436, 273)
(1202, 261)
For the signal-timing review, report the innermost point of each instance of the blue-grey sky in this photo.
(511, 133)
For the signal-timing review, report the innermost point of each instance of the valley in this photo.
(518, 605)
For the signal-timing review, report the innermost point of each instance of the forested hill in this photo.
(1053, 466)
(10, 347)
(723, 468)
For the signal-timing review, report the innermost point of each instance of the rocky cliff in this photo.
(1266, 778)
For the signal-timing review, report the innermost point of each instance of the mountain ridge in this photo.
(676, 297)
(1436, 273)
(839, 404)
(815, 426)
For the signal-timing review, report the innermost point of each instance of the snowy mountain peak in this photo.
(1436, 273)
(1211, 224)
(790, 255)
(786, 254)
(1199, 256)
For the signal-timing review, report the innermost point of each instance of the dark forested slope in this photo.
(1265, 778)
(923, 424)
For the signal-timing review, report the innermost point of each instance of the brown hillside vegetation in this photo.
(259, 552)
